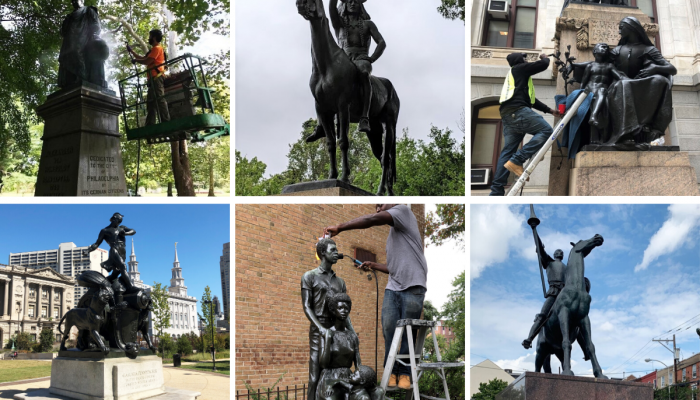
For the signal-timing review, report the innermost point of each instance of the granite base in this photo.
(328, 187)
(629, 173)
(81, 153)
(170, 394)
(107, 378)
(537, 386)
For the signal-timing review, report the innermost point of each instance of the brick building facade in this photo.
(275, 245)
(688, 371)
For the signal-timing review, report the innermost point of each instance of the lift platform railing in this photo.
(190, 104)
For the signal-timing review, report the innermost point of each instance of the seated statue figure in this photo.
(83, 52)
(340, 349)
(641, 106)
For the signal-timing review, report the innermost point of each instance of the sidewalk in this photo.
(212, 386)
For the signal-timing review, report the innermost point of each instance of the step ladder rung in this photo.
(425, 396)
(438, 365)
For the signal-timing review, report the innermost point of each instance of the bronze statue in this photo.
(317, 286)
(342, 85)
(112, 309)
(83, 52)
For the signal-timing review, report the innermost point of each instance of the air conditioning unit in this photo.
(480, 176)
(499, 9)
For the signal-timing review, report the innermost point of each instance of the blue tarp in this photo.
(571, 136)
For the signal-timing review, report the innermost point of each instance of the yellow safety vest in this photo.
(509, 88)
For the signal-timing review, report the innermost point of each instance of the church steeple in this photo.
(134, 265)
(177, 282)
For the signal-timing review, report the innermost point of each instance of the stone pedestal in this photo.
(632, 173)
(109, 378)
(536, 386)
(328, 187)
(81, 155)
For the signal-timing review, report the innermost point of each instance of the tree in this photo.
(161, 312)
(430, 313)
(445, 224)
(453, 312)
(24, 341)
(46, 339)
(452, 9)
(165, 345)
(488, 391)
(209, 318)
(183, 345)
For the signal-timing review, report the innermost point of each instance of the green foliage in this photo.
(488, 391)
(24, 341)
(166, 345)
(46, 340)
(264, 391)
(183, 345)
(453, 312)
(434, 168)
(209, 319)
(161, 312)
(430, 313)
(445, 224)
(452, 9)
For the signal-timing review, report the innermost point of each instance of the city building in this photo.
(183, 308)
(68, 260)
(275, 246)
(530, 26)
(687, 371)
(664, 377)
(484, 372)
(445, 331)
(225, 267)
(648, 378)
(31, 299)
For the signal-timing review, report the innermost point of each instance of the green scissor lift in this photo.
(190, 105)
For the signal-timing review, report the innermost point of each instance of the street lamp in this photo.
(669, 384)
(211, 316)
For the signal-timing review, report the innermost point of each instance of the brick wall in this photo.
(275, 245)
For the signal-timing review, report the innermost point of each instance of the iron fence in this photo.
(294, 393)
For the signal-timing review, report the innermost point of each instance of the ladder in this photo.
(540, 154)
(415, 357)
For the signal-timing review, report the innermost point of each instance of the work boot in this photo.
(318, 134)
(404, 382)
(364, 125)
(392, 381)
(515, 168)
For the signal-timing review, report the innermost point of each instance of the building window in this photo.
(44, 293)
(695, 371)
(683, 377)
(662, 381)
(30, 313)
(43, 312)
(487, 141)
(55, 313)
(32, 292)
(518, 31)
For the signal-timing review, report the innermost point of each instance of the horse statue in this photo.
(568, 320)
(334, 84)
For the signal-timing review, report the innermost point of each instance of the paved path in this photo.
(213, 386)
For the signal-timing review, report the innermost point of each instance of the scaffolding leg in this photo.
(540, 154)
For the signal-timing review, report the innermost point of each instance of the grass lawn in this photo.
(223, 367)
(11, 371)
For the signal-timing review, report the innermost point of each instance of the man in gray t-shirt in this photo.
(408, 273)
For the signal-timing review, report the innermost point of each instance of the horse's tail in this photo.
(61, 321)
(394, 102)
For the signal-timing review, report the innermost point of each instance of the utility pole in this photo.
(675, 361)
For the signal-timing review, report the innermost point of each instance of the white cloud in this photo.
(672, 234)
(444, 264)
(494, 230)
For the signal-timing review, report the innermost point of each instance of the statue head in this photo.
(632, 30)
(117, 218)
(339, 304)
(364, 376)
(601, 51)
(76, 4)
(327, 250)
(155, 36)
(353, 7)
(558, 254)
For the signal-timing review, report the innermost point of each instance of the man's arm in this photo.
(309, 310)
(586, 76)
(335, 17)
(540, 106)
(378, 39)
(533, 68)
(363, 222)
(145, 60)
(324, 359)
(95, 245)
(128, 231)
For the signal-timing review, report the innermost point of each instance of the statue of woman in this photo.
(340, 348)
(641, 106)
(83, 52)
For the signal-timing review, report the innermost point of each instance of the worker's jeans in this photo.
(156, 100)
(400, 305)
(516, 125)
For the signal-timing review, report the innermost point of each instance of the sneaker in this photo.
(364, 125)
(392, 380)
(404, 382)
(515, 168)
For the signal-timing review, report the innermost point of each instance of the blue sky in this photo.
(644, 282)
(200, 230)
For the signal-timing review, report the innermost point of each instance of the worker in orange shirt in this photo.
(156, 92)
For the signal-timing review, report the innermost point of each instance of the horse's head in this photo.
(585, 246)
(309, 9)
